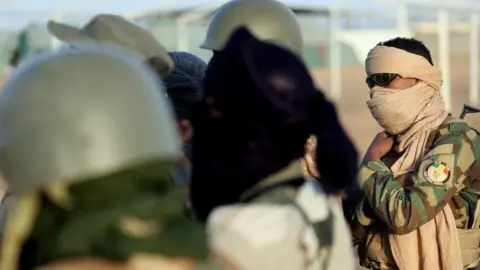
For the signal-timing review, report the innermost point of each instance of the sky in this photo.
(15, 14)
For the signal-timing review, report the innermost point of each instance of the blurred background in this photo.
(337, 33)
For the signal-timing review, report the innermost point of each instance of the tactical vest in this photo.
(374, 251)
(280, 190)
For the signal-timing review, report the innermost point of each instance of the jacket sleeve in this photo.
(437, 178)
(353, 202)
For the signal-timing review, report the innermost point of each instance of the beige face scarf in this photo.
(411, 114)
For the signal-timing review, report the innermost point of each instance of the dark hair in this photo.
(184, 83)
(410, 45)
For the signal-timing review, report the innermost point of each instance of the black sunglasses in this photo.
(380, 79)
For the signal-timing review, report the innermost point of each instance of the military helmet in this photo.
(267, 20)
(75, 115)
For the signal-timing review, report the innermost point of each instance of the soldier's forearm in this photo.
(395, 205)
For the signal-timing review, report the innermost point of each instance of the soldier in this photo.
(114, 30)
(88, 142)
(184, 89)
(260, 106)
(420, 174)
(268, 20)
(183, 83)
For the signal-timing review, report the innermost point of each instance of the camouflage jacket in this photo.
(113, 218)
(449, 173)
(286, 223)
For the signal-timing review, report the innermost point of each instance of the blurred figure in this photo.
(419, 177)
(114, 29)
(267, 20)
(111, 29)
(184, 89)
(259, 108)
(91, 167)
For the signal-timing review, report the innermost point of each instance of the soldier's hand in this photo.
(380, 146)
(310, 159)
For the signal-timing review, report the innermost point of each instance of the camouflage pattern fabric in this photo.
(449, 173)
(132, 212)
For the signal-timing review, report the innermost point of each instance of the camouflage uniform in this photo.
(389, 207)
(87, 146)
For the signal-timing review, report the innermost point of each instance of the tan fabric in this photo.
(469, 240)
(418, 249)
(412, 114)
(383, 59)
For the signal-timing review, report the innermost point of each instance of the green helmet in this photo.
(267, 20)
(80, 114)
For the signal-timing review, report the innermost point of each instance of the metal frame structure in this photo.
(336, 11)
(444, 7)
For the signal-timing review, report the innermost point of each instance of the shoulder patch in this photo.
(436, 172)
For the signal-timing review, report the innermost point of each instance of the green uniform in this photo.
(448, 174)
(284, 217)
(88, 141)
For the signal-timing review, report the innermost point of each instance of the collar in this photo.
(291, 171)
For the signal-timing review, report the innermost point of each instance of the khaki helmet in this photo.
(267, 20)
(80, 114)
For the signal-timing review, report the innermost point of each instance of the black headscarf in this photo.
(184, 83)
(184, 87)
(260, 106)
